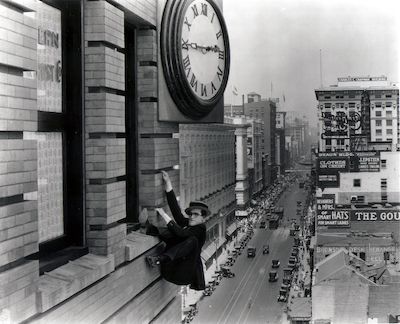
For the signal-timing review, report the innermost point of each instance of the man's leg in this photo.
(178, 251)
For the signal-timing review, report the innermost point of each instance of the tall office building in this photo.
(207, 173)
(265, 109)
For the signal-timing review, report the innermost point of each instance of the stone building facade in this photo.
(207, 173)
(81, 148)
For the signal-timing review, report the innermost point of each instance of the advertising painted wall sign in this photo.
(375, 215)
(330, 164)
(334, 219)
(340, 124)
(327, 215)
(336, 164)
(328, 171)
(365, 162)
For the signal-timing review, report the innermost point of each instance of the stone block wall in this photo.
(18, 162)
(112, 283)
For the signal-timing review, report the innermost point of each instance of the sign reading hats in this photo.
(198, 205)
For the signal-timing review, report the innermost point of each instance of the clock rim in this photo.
(187, 101)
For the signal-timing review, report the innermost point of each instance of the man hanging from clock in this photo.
(181, 261)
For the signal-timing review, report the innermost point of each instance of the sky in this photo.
(280, 42)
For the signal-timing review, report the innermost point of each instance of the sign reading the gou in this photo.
(375, 215)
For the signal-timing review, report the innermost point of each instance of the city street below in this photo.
(249, 297)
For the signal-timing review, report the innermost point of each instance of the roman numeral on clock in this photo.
(186, 62)
(219, 34)
(187, 23)
(204, 9)
(219, 73)
(221, 55)
(193, 82)
(185, 44)
(203, 90)
(195, 11)
(186, 65)
(213, 88)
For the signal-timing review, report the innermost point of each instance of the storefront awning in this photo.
(241, 213)
(208, 252)
(231, 229)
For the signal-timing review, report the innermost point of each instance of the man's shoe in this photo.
(153, 261)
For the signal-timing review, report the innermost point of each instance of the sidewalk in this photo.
(301, 279)
(193, 296)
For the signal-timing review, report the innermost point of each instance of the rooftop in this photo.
(336, 262)
(384, 301)
(349, 239)
(300, 308)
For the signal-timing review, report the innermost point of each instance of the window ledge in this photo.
(138, 243)
(60, 284)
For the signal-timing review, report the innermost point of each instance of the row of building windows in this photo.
(389, 131)
(388, 122)
(357, 183)
(379, 105)
(376, 95)
(378, 113)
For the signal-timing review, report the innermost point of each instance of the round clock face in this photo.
(195, 55)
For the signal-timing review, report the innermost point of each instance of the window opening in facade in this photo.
(59, 136)
(131, 117)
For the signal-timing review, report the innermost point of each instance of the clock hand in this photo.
(204, 49)
(214, 48)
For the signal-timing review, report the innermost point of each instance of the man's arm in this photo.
(176, 210)
(197, 231)
(172, 202)
(173, 226)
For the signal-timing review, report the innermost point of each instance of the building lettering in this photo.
(50, 72)
(48, 38)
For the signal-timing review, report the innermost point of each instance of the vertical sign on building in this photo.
(250, 151)
(49, 59)
(49, 99)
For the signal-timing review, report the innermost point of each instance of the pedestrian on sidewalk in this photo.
(184, 237)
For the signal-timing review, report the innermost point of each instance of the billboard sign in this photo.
(330, 164)
(328, 169)
(328, 215)
(373, 215)
(365, 162)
